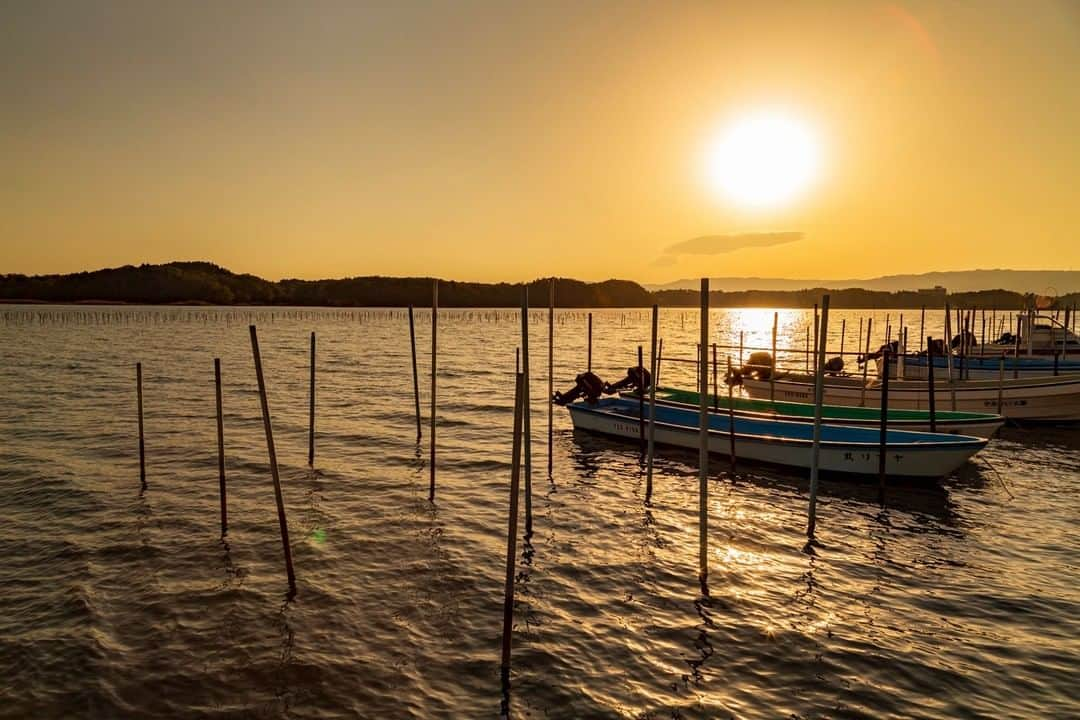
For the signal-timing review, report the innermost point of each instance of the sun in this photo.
(764, 159)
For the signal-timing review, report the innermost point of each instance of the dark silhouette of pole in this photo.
(884, 421)
(525, 423)
(822, 335)
(588, 357)
(654, 370)
(415, 374)
(703, 437)
(282, 522)
(142, 441)
(221, 448)
(511, 542)
(641, 399)
(311, 407)
(930, 382)
(434, 376)
(551, 373)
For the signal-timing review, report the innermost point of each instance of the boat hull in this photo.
(1034, 400)
(909, 455)
(984, 425)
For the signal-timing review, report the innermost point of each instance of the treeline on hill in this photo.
(202, 282)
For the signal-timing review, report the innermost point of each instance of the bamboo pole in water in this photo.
(434, 379)
(654, 371)
(814, 358)
(1001, 382)
(703, 437)
(142, 441)
(659, 360)
(884, 422)
(641, 399)
(551, 374)
(415, 374)
(1016, 350)
(930, 382)
(866, 360)
(525, 423)
(715, 386)
(221, 448)
(922, 326)
(282, 522)
(819, 396)
(311, 407)
(731, 417)
(511, 541)
(588, 357)
(948, 356)
(772, 370)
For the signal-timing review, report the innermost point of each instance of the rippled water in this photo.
(958, 602)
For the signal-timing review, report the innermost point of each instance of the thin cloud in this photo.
(720, 244)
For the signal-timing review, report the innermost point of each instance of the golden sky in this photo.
(507, 141)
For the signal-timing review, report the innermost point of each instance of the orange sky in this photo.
(506, 141)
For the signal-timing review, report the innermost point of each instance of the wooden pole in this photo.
(715, 386)
(843, 332)
(311, 407)
(819, 398)
(511, 542)
(731, 418)
(949, 356)
(866, 361)
(551, 375)
(282, 522)
(884, 422)
(415, 374)
(654, 369)
(930, 382)
(741, 363)
(641, 399)
(142, 441)
(1016, 350)
(922, 326)
(221, 448)
(659, 361)
(703, 438)
(815, 345)
(772, 370)
(1001, 383)
(434, 380)
(525, 421)
(589, 356)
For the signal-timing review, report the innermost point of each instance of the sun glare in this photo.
(764, 159)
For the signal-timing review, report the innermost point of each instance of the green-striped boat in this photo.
(982, 425)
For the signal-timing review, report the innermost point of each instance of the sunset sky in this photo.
(507, 141)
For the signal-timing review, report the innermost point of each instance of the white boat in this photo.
(1051, 399)
(844, 450)
(976, 367)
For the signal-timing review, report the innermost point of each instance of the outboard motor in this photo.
(834, 366)
(637, 378)
(959, 340)
(587, 385)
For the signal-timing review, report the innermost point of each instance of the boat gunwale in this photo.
(948, 442)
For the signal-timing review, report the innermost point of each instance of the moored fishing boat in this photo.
(1048, 399)
(982, 367)
(852, 451)
(946, 422)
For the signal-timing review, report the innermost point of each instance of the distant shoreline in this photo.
(194, 284)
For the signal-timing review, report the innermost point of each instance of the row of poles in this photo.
(521, 461)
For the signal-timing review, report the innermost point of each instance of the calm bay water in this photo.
(958, 602)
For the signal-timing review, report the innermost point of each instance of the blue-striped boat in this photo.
(984, 367)
(844, 450)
